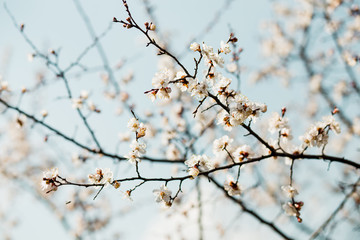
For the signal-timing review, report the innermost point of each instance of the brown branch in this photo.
(77, 143)
(151, 40)
(57, 71)
(197, 108)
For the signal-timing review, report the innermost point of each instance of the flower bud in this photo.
(116, 184)
(152, 27)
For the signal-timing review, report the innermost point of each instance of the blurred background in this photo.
(287, 58)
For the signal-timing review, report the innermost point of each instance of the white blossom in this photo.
(330, 120)
(151, 95)
(317, 135)
(195, 47)
(77, 103)
(222, 84)
(133, 157)
(201, 161)
(212, 57)
(223, 118)
(232, 187)
(290, 191)
(84, 94)
(163, 195)
(194, 171)
(48, 182)
(183, 82)
(199, 90)
(4, 86)
(141, 130)
(244, 109)
(224, 47)
(31, 56)
(101, 176)
(133, 124)
(221, 143)
(285, 134)
(218, 60)
(162, 78)
(164, 93)
(139, 147)
(242, 153)
(276, 122)
(290, 209)
(44, 113)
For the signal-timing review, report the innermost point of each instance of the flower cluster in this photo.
(292, 208)
(318, 134)
(48, 183)
(137, 127)
(137, 148)
(103, 177)
(277, 122)
(77, 103)
(231, 109)
(224, 47)
(183, 82)
(280, 124)
(198, 161)
(192, 86)
(240, 109)
(212, 58)
(160, 82)
(214, 81)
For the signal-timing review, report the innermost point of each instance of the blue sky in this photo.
(57, 25)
